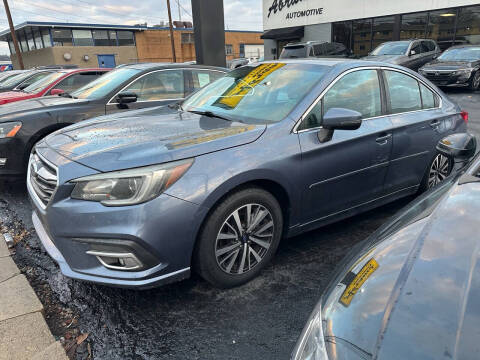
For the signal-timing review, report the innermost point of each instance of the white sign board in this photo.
(287, 13)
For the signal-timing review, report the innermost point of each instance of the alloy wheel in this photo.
(476, 80)
(244, 239)
(439, 170)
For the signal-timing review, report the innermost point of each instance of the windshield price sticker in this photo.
(362, 276)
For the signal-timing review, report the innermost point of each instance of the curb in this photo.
(25, 334)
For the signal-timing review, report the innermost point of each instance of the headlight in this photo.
(464, 72)
(311, 345)
(9, 129)
(129, 187)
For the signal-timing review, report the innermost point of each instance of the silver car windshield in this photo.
(391, 48)
(263, 93)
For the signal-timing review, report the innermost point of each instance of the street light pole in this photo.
(172, 40)
(14, 37)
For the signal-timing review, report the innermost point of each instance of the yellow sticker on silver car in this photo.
(357, 282)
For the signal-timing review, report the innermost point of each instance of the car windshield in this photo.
(391, 48)
(103, 85)
(258, 93)
(43, 83)
(293, 52)
(461, 54)
(17, 79)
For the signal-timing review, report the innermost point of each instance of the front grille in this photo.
(440, 76)
(43, 178)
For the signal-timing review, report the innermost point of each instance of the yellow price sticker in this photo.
(357, 282)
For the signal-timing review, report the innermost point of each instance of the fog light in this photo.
(3, 161)
(117, 261)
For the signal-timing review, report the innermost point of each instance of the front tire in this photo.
(475, 81)
(239, 238)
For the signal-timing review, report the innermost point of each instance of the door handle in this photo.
(434, 124)
(383, 139)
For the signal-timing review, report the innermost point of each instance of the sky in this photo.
(239, 14)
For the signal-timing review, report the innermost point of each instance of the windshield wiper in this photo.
(210, 114)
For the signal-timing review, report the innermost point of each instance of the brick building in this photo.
(92, 45)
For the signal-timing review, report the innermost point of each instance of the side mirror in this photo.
(57, 92)
(126, 98)
(341, 119)
(458, 146)
(412, 52)
(22, 86)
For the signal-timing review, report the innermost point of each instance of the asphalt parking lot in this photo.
(192, 320)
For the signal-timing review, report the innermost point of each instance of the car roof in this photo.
(69, 71)
(332, 62)
(464, 46)
(154, 66)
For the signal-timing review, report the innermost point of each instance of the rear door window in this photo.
(428, 97)
(201, 78)
(76, 81)
(404, 92)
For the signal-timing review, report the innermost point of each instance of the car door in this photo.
(198, 78)
(159, 87)
(417, 127)
(428, 52)
(346, 168)
(414, 56)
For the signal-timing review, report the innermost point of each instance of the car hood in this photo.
(142, 138)
(15, 95)
(450, 65)
(422, 301)
(8, 111)
(391, 59)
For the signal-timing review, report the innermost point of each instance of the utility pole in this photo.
(14, 37)
(172, 40)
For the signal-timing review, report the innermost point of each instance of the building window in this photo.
(30, 41)
(112, 36)
(362, 35)
(125, 38)
(22, 42)
(47, 41)
(468, 26)
(229, 49)
(413, 26)
(100, 38)
(382, 30)
(82, 37)
(38, 39)
(441, 27)
(187, 38)
(11, 46)
(62, 37)
(342, 33)
(242, 50)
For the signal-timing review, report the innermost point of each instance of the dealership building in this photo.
(361, 25)
(92, 45)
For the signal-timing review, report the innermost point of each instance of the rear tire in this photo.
(239, 238)
(438, 169)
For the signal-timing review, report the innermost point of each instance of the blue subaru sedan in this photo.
(212, 185)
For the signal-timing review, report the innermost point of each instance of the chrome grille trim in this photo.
(42, 179)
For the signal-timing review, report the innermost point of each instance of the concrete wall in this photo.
(54, 55)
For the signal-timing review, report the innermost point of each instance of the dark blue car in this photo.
(270, 150)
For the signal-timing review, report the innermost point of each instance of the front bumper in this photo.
(447, 79)
(13, 158)
(161, 233)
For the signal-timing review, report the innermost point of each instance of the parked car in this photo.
(312, 49)
(270, 150)
(8, 74)
(236, 63)
(24, 79)
(410, 291)
(412, 54)
(56, 83)
(138, 86)
(457, 66)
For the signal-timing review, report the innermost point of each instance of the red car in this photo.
(59, 82)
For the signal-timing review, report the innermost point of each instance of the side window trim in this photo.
(438, 98)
